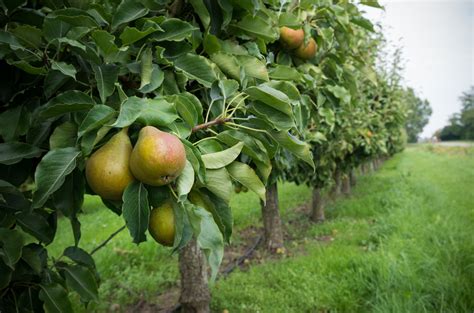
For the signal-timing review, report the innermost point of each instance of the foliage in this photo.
(461, 125)
(78, 72)
(419, 112)
(212, 73)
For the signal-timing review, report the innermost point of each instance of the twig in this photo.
(217, 121)
(106, 241)
(231, 267)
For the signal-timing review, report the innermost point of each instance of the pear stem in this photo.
(217, 121)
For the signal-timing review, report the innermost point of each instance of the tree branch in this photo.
(106, 241)
(217, 121)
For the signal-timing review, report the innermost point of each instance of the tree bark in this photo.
(195, 296)
(353, 178)
(336, 189)
(346, 185)
(317, 208)
(273, 233)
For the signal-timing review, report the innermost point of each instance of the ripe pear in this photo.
(158, 157)
(291, 38)
(307, 52)
(161, 226)
(107, 170)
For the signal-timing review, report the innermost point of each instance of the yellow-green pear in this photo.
(161, 226)
(107, 170)
(158, 157)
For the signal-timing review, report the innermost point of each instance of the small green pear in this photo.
(107, 170)
(161, 225)
(158, 157)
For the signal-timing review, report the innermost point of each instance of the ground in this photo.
(402, 242)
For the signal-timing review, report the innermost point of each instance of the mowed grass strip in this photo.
(403, 242)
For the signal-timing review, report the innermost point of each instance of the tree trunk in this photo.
(346, 185)
(317, 209)
(336, 189)
(374, 165)
(353, 178)
(195, 295)
(273, 233)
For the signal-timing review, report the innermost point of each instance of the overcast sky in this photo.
(437, 37)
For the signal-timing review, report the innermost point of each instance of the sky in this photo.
(437, 37)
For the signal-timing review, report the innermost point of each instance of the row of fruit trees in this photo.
(162, 108)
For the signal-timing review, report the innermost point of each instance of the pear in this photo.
(107, 170)
(158, 157)
(161, 225)
(291, 38)
(307, 52)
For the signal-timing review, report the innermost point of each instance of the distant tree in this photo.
(461, 125)
(467, 114)
(418, 115)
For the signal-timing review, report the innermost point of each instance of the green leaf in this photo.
(106, 44)
(127, 11)
(69, 101)
(81, 280)
(14, 152)
(271, 97)
(363, 22)
(79, 256)
(196, 67)
(186, 109)
(341, 93)
(132, 34)
(209, 237)
(11, 247)
(222, 158)
(372, 3)
(146, 67)
(255, 26)
(185, 181)
(70, 197)
(157, 112)
(245, 175)
(66, 69)
(174, 30)
(55, 298)
(219, 182)
(51, 173)
(299, 148)
(95, 118)
(11, 40)
(36, 225)
(156, 79)
(106, 75)
(283, 72)
(130, 110)
(253, 67)
(63, 136)
(52, 82)
(228, 64)
(136, 210)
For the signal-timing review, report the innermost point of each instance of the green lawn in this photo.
(404, 242)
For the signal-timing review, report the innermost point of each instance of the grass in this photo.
(403, 242)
